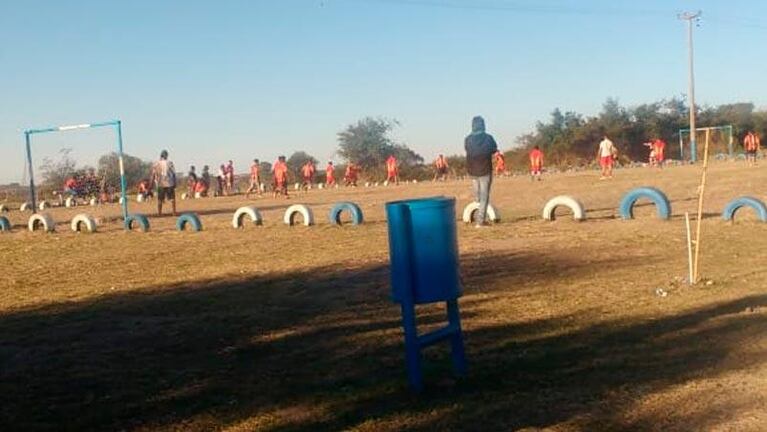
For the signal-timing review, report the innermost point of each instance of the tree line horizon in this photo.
(568, 139)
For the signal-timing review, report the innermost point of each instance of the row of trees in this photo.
(567, 138)
(570, 138)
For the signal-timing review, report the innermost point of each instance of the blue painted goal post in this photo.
(116, 124)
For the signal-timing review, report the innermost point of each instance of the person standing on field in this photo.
(164, 178)
(440, 168)
(392, 170)
(751, 144)
(191, 182)
(606, 155)
(255, 179)
(500, 164)
(536, 163)
(330, 178)
(480, 148)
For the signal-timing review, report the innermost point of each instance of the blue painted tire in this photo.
(5, 224)
(662, 205)
(335, 213)
(138, 219)
(733, 206)
(190, 219)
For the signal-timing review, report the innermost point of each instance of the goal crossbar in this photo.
(116, 124)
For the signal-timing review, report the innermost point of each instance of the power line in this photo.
(522, 7)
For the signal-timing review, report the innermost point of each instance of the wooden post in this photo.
(702, 189)
(689, 249)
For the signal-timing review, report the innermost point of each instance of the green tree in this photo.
(368, 143)
(108, 168)
(297, 160)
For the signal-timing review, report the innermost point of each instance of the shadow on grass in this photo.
(322, 350)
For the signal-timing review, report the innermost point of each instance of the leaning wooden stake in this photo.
(689, 248)
(702, 189)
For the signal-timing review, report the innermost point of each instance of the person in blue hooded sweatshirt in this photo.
(480, 147)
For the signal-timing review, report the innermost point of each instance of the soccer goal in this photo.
(115, 124)
(719, 142)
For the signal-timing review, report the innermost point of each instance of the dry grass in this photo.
(290, 328)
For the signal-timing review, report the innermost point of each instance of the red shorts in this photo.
(606, 161)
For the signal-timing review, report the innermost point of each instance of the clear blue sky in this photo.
(214, 80)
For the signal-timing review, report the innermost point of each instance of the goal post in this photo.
(721, 142)
(115, 124)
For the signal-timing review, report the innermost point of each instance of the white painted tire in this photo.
(43, 220)
(573, 204)
(43, 205)
(120, 201)
(320, 186)
(83, 220)
(301, 209)
(297, 186)
(367, 184)
(198, 194)
(70, 202)
(140, 198)
(184, 196)
(249, 211)
(25, 207)
(93, 202)
(492, 213)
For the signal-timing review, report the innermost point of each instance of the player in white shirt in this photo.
(606, 156)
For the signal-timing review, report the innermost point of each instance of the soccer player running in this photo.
(751, 144)
(606, 154)
(480, 148)
(536, 163)
(440, 168)
(255, 179)
(280, 181)
(164, 178)
(330, 178)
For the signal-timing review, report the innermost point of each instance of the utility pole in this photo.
(690, 17)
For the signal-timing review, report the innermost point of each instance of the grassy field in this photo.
(279, 328)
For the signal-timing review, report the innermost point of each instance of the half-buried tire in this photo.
(137, 219)
(299, 209)
(662, 205)
(733, 206)
(250, 212)
(471, 209)
(335, 213)
(573, 204)
(188, 219)
(83, 223)
(5, 224)
(41, 220)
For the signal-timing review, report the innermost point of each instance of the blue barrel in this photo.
(423, 250)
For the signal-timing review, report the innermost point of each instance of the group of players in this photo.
(88, 184)
(308, 172)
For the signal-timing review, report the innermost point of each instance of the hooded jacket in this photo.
(480, 147)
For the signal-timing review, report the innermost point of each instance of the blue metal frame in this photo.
(694, 143)
(117, 124)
